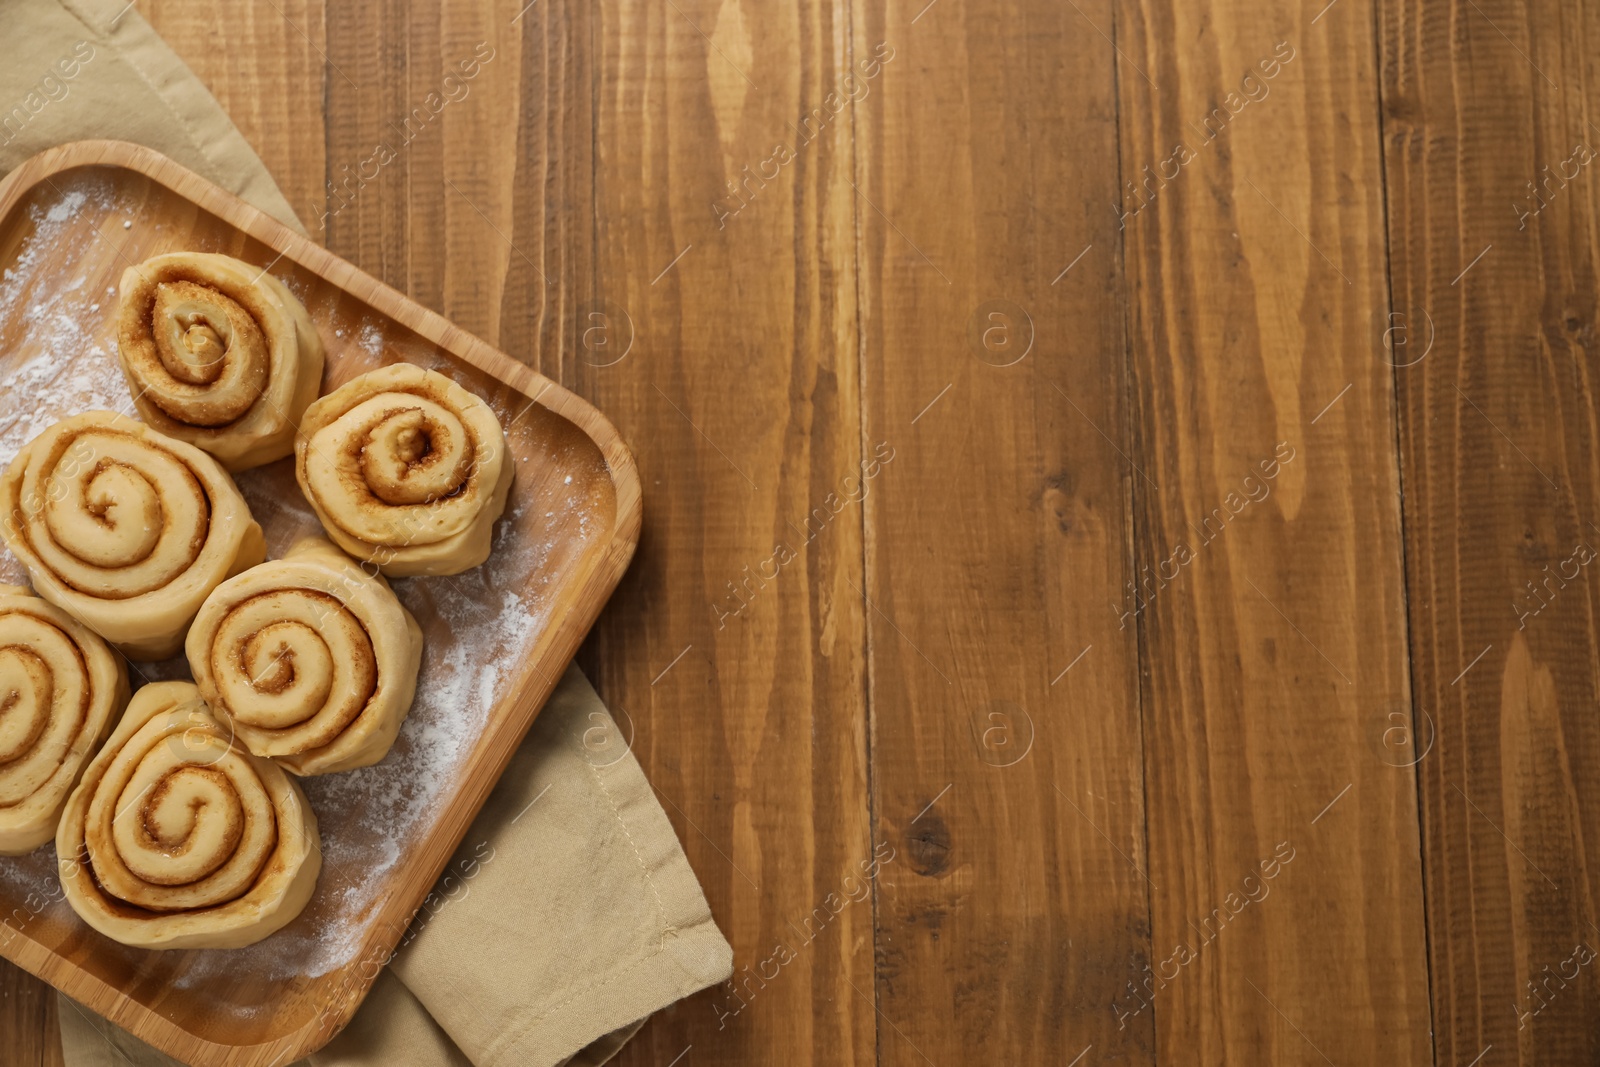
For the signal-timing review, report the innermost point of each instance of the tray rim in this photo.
(528, 691)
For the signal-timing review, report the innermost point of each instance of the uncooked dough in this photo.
(218, 353)
(310, 659)
(125, 529)
(406, 469)
(61, 687)
(178, 838)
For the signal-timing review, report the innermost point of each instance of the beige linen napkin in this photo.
(580, 916)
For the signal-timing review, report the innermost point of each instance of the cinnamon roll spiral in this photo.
(60, 688)
(311, 660)
(177, 838)
(406, 469)
(125, 529)
(218, 353)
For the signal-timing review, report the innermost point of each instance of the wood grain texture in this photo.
(743, 393)
(27, 1019)
(1274, 642)
(1004, 698)
(919, 636)
(1501, 452)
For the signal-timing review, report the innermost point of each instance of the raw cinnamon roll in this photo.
(218, 353)
(405, 469)
(60, 689)
(178, 838)
(124, 529)
(311, 660)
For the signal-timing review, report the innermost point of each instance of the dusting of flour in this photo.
(65, 356)
(482, 626)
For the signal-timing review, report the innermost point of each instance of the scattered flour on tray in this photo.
(371, 338)
(66, 350)
(33, 875)
(483, 624)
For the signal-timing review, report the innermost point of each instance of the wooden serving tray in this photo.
(497, 637)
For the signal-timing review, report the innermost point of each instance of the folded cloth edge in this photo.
(690, 941)
(197, 112)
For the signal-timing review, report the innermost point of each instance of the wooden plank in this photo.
(1500, 448)
(25, 1011)
(1283, 843)
(50, 1029)
(459, 141)
(740, 663)
(1016, 925)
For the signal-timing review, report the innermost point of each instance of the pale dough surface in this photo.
(178, 838)
(218, 353)
(310, 659)
(406, 470)
(61, 688)
(125, 529)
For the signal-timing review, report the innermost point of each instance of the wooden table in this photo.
(1129, 469)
